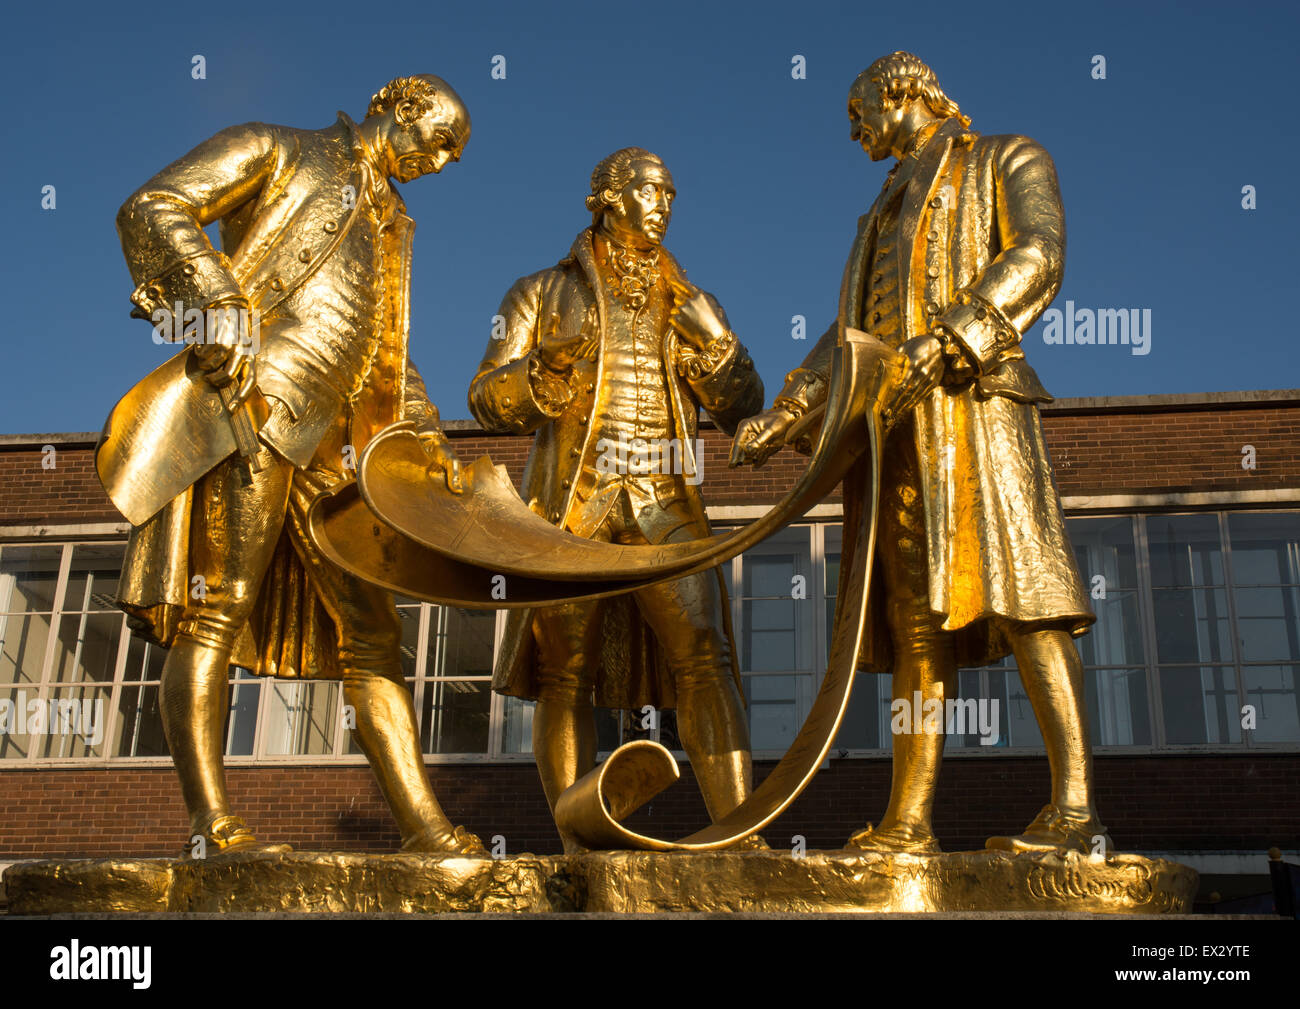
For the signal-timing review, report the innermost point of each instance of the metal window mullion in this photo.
(52, 636)
(496, 702)
(1147, 621)
(1230, 591)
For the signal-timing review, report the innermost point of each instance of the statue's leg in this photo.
(1052, 674)
(237, 520)
(686, 617)
(924, 659)
(370, 663)
(564, 721)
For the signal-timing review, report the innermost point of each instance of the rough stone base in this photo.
(614, 881)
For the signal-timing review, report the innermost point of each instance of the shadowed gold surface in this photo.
(623, 882)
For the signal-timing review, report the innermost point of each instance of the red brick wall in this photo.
(1150, 803)
(1127, 451)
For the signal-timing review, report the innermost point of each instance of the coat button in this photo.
(305, 255)
(937, 201)
(277, 284)
(331, 226)
(506, 401)
(932, 236)
(574, 452)
(502, 378)
(583, 421)
(932, 309)
(555, 516)
(189, 269)
(932, 272)
(567, 484)
(591, 388)
(981, 313)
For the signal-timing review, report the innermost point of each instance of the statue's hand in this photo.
(925, 364)
(759, 437)
(558, 351)
(696, 315)
(442, 460)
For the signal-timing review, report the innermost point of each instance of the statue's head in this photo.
(632, 197)
(420, 124)
(891, 99)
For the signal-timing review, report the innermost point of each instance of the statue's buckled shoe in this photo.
(438, 841)
(227, 834)
(1051, 830)
(870, 838)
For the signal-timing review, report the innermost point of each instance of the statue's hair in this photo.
(421, 90)
(901, 76)
(612, 174)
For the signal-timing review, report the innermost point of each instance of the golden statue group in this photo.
(221, 456)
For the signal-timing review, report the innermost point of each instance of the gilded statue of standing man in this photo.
(608, 357)
(317, 249)
(961, 252)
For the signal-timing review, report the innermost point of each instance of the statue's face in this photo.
(429, 143)
(644, 206)
(873, 125)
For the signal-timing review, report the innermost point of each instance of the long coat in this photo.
(501, 397)
(285, 198)
(981, 253)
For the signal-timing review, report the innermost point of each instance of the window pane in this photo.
(1200, 705)
(409, 618)
(455, 716)
(1272, 690)
(92, 577)
(241, 724)
(1018, 725)
(28, 578)
(517, 726)
(14, 707)
(76, 722)
(774, 706)
(22, 656)
(138, 730)
(1268, 623)
(1192, 625)
(86, 647)
(1185, 550)
(1104, 546)
(1118, 710)
(1265, 548)
(302, 718)
(861, 727)
(1116, 638)
(460, 642)
(144, 661)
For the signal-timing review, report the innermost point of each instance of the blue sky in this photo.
(1152, 161)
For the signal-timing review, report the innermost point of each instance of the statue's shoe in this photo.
(899, 841)
(754, 842)
(226, 834)
(440, 841)
(1052, 830)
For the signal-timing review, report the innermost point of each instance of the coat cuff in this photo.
(694, 364)
(195, 281)
(980, 328)
(804, 389)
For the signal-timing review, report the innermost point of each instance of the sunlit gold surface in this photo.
(621, 882)
(955, 260)
(217, 455)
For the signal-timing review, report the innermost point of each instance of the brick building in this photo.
(1185, 515)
